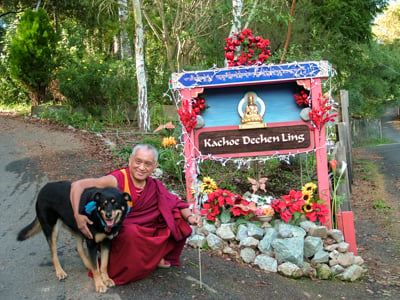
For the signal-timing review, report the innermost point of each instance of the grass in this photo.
(373, 142)
(18, 109)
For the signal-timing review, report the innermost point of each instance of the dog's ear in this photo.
(97, 196)
(127, 197)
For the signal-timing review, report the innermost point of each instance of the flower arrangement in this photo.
(249, 46)
(301, 205)
(297, 206)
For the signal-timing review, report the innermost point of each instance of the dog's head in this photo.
(111, 207)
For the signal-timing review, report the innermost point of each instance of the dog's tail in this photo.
(29, 230)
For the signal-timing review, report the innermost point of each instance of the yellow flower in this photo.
(168, 141)
(307, 208)
(307, 196)
(208, 186)
(84, 67)
(311, 187)
(101, 61)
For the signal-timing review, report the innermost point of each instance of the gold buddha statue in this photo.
(251, 114)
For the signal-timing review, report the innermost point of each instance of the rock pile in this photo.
(306, 250)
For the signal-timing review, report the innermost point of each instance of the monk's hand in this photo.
(194, 220)
(81, 222)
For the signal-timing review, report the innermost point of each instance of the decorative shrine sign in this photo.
(230, 141)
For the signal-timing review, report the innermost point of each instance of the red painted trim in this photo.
(346, 225)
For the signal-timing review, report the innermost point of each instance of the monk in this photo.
(155, 230)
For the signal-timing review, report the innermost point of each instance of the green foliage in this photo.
(99, 84)
(32, 53)
(10, 92)
(66, 116)
(171, 161)
(381, 206)
(375, 80)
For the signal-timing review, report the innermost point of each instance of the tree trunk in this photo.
(144, 117)
(125, 48)
(237, 7)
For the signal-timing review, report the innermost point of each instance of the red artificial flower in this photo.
(333, 164)
(286, 216)
(319, 116)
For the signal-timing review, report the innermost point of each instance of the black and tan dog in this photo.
(107, 209)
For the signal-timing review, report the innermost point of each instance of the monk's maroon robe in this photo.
(149, 232)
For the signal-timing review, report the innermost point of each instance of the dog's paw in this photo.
(60, 274)
(109, 282)
(101, 288)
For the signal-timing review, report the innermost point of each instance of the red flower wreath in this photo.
(250, 45)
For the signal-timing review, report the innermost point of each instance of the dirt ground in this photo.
(377, 228)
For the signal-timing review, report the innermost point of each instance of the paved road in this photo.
(390, 154)
(26, 271)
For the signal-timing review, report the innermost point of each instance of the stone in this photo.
(266, 263)
(249, 242)
(200, 122)
(336, 234)
(305, 114)
(225, 232)
(207, 228)
(247, 254)
(312, 245)
(241, 232)
(351, 273)
(330, 248)
(323, 272)
(343, 247)
(321, 257)
(289, 231)
(265, 244)
(289, 250)
(255, 231)
(229, 250)
(346, 259)
(358, 260)
(289, 269)
(309, 271)
(318, 231)
(196, 241)
(215, 242)
(337, 269)
(306, 225)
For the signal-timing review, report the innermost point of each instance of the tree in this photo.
(32, 53)
(144, 118)
(387, 26)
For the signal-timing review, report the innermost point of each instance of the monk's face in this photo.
(141, 165)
